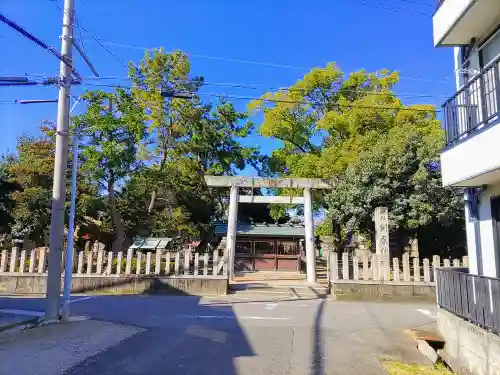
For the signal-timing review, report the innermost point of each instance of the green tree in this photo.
(260, 212)
(322, 118)
(400, 171)
(187, 135)
(155, 73)
(7, 189)
(113, 127)
(32, 169)
(327, 119)
(183, 206)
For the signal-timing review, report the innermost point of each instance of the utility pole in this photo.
(60, 165)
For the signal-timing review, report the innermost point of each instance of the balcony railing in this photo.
(472, 297)
(474, 106)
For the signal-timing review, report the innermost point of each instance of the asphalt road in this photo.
(225, 336)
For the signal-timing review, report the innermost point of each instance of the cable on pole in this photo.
(270, 100)
(38, 42)
(97, 40)
(45, 82)
(268, 64)
(389, 7)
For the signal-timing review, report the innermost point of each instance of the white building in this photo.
(471, 158)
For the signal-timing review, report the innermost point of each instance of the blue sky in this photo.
(300, 34)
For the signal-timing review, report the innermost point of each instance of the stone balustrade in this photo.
(106, 263)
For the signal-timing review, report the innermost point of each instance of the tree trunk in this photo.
(154, 193)
(116, 217)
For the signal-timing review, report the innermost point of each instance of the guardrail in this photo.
(380, 268)
(472, 297)
(102, 263)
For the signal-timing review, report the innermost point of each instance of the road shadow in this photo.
(178, 335)
(178, 338)
(317, 365)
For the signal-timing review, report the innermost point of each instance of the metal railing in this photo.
(474, 106)
(472, 297)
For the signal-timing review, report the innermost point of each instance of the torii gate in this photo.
(257, 182)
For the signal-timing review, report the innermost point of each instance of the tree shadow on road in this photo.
(184, 338)
(179, 334)
(317, 365)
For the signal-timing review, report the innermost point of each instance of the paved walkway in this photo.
(226, 336)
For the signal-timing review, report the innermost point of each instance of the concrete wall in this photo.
(468, 348)
(366, 290)
(129, 284)
(489, 253)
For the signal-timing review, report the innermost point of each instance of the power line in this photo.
(37, 41)
(25, 74)
(119, 78)
(278, 88)
(249, 86)
(236, 97)
(252, 62)
(304, 102)
(419, 3)
(13, 42)
(47, 81)
(210, 57)
(77, 22)
(97, 40)
(21, 48)
(389, 7)
(80, 33)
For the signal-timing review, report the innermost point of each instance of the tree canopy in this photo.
(146, 147)
(354, 130)
(400, 171)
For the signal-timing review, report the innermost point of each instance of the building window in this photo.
(243, 247)
(288, 248)
(264, 247)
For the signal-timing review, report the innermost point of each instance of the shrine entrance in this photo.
(267, 247)
(274, 252)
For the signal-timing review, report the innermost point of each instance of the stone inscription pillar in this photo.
(382, 230)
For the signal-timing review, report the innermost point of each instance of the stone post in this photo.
(327, 245)
(232, 224)
(309, 234)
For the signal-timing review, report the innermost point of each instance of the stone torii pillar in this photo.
(309, 236)
(256, 182)
(232, 225)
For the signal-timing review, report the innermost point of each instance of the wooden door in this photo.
(265, 255)
(287, 255)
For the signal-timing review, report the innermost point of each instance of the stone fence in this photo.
(376, 275)
(25, 271)
(183, 262)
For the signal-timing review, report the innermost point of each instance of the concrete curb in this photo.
(19, 326)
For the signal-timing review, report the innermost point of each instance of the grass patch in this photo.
(400, 368)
